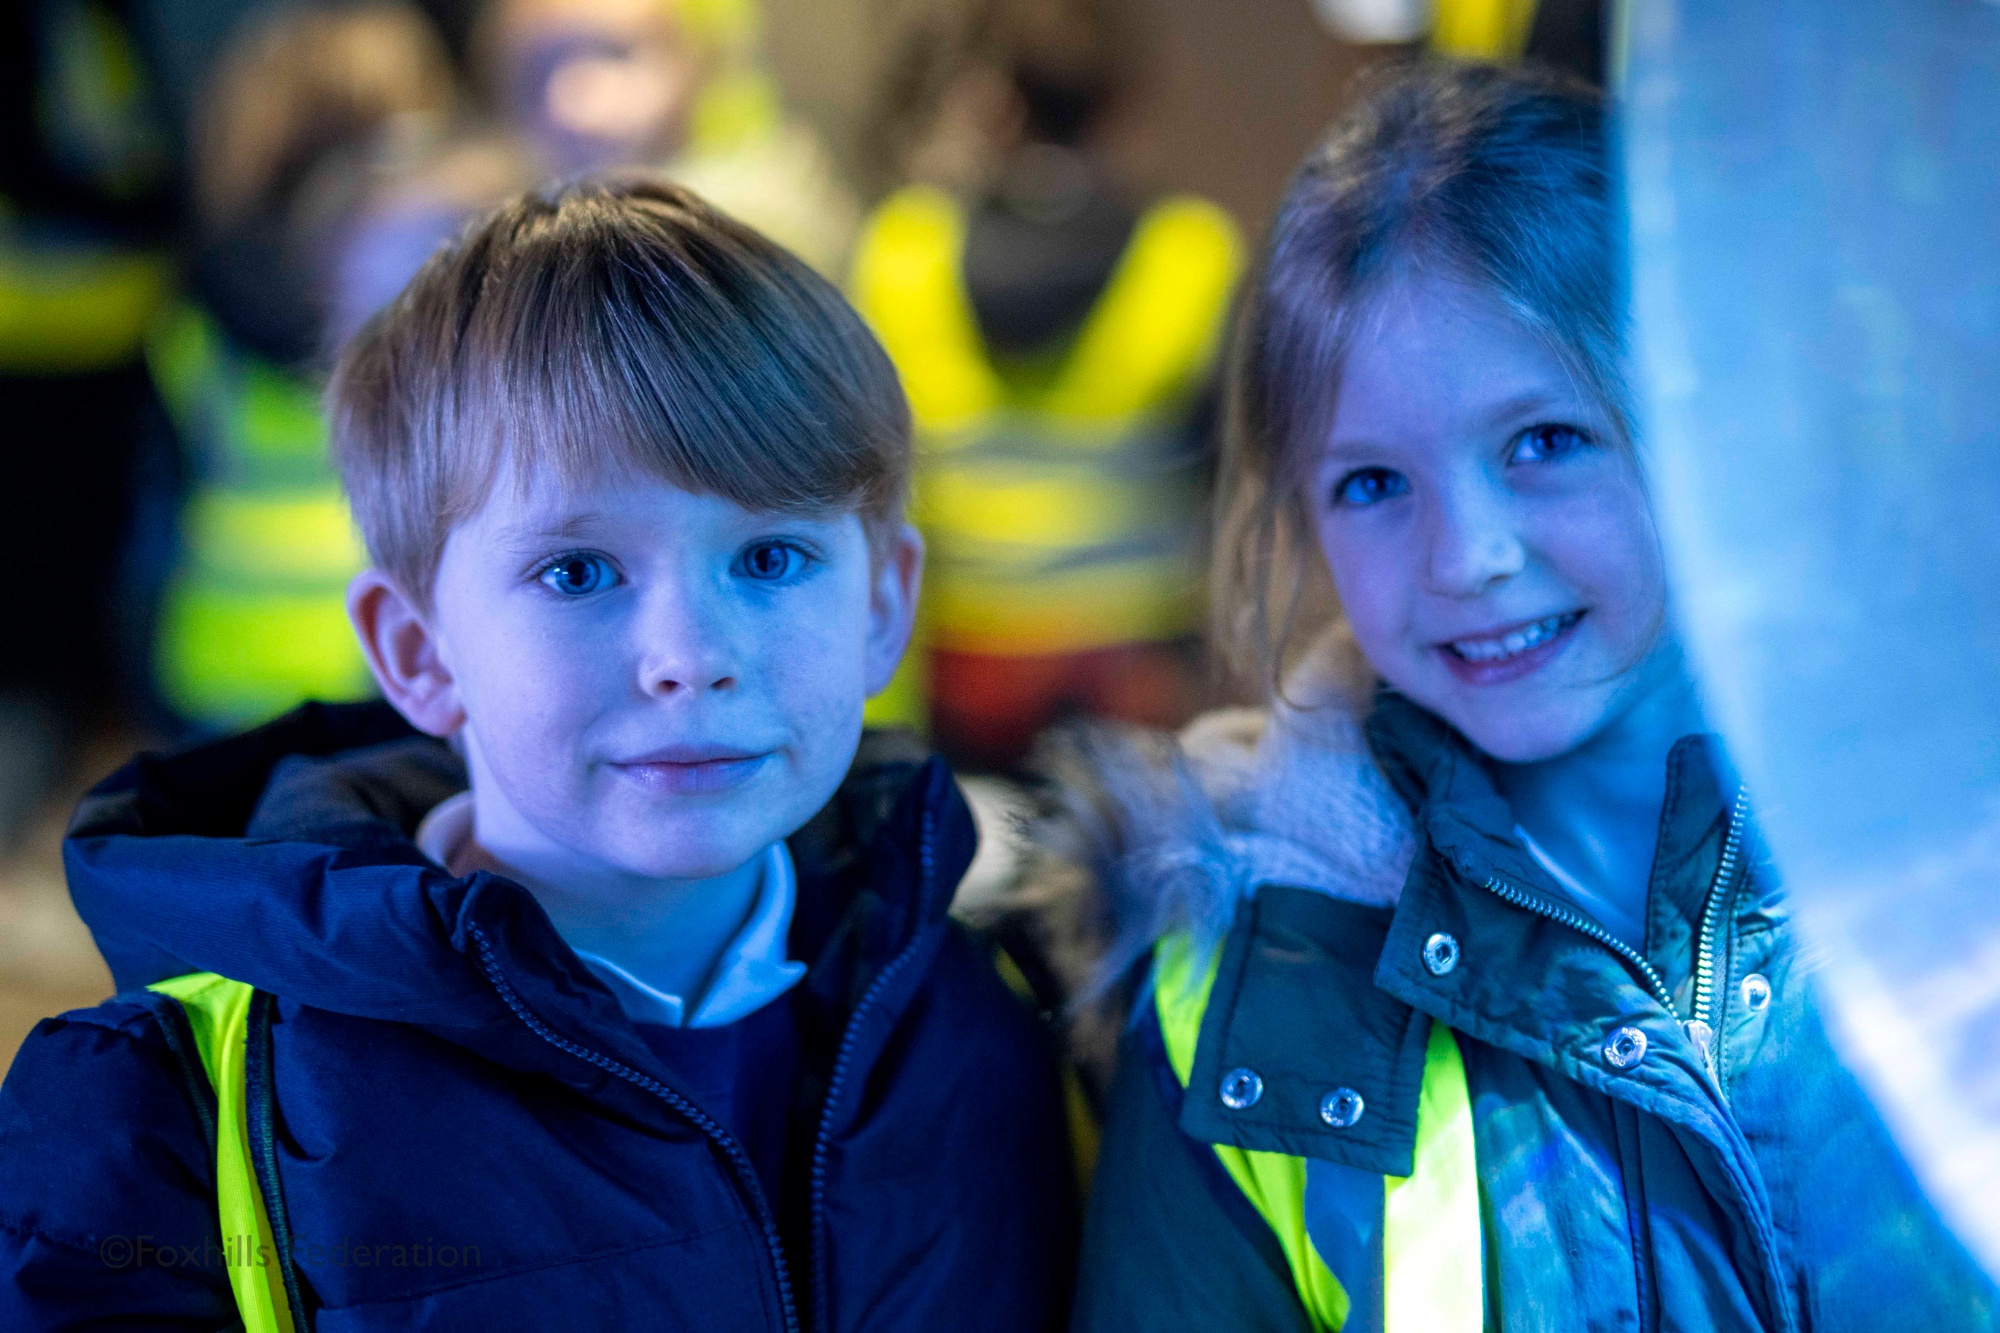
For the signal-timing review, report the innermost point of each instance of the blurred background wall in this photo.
(199, 198)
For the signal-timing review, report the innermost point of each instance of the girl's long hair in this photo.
(1496, 177)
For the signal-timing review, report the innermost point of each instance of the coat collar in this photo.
(1316, 993)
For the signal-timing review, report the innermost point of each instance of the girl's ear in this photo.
(892, 604)
(403, 652)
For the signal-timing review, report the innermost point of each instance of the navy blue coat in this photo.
(466, 1131)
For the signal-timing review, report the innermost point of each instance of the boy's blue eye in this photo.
(1369, 485)
(1539, 443)
(578, 575)
(772, 562)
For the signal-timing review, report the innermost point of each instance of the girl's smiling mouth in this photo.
(1509, 653)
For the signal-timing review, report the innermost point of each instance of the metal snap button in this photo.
(1241, 1088)
(1440, 954)
(1625, 1048)
(1341, 1108)
(1756, 991)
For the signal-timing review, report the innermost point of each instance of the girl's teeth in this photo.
(1507, 645)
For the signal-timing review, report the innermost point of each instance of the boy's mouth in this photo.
(692, 770)
(1509, 654)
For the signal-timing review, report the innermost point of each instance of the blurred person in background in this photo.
(574, 87)
(88, 204)
(1562, 34)
(674, 85)
(1055, 329)
(303, 107)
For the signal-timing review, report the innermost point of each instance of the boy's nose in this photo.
(667, 679)
(687, 651)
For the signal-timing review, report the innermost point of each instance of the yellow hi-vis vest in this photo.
(1053, 521)
(1482, 29)
(255, 619)
(219, 1014)
(1418, 1267)
(71, 305)
(75, 308)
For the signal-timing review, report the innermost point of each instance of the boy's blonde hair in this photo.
(612, 325)
(1497, 177)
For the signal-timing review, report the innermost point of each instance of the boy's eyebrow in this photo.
(567, 528)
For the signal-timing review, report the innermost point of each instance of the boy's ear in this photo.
(892, 603)
(403, 652)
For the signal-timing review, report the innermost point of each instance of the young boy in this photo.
(624, 995)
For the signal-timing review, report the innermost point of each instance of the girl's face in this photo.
(1491, 543)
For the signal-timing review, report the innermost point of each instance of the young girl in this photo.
(1471, 1003)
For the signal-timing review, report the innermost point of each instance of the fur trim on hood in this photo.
(1147, 833)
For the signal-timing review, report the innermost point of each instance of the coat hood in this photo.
(284, 858)
(1172, 832)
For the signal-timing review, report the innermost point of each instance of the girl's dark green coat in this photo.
(1647, 1198)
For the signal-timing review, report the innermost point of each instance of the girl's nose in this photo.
(1473, 546)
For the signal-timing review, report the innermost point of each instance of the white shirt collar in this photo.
(751, 971)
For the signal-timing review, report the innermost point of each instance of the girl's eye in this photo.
(1539, 443)
(772, 562)
(578, 575)
(1369, 485)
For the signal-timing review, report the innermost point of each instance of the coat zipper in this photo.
(1702, 1025)
(739, 1160)
(836, 1083)
(1699, 1025)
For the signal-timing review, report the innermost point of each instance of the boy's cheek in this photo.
(823, 650)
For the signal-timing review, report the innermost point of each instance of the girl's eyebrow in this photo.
(1342, 449)
(1521, 405)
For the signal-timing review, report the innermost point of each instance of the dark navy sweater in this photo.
(468, 1132)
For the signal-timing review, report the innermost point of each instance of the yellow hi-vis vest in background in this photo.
(1057, 516)
(1482, 29)
(68, 304)
(219, 1014)
(255, 619)
(1367, 1253)
(76, 308)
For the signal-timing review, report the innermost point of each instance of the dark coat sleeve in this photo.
(107, 1193)
(1169, 1242)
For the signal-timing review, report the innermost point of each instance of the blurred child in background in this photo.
(1561, 34)
(303, 107)
(89, 204)
(675, 86)
(671, 88)
(1055, 329)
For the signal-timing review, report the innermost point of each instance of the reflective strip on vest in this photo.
(255, 619)
(218, 1011)
(1057, 513)
(1408, 1245)
(1483, 29)
(66, 310)
(69, 306)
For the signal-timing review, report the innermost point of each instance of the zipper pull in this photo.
(1702, 1037)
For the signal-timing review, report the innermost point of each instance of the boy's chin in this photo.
(693, 858)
